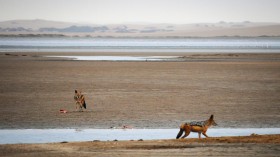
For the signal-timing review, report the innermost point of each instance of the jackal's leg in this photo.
(199, 135)
(204, 133)
(187, 132)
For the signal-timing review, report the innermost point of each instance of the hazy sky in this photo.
(152, 11)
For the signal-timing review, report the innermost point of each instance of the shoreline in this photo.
(7, 136)
(183, 56)
(254, 145)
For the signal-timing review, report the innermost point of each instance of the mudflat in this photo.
(241, 90)
(254, 145)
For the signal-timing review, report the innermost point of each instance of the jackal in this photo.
(196, 126)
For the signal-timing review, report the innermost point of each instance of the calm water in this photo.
(121, 58)
(77, 44)
(60, 135)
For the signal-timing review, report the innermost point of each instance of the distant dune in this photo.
(42, 27)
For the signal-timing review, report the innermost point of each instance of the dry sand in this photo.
(265, 145)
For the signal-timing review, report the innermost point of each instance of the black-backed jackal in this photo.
(196, 126)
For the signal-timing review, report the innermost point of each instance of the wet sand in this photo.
(241, 90)
(254, 145)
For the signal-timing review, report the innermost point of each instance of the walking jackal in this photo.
(196, 126)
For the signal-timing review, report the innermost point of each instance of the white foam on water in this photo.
(13, 136)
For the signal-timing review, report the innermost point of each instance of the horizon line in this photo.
(84, 22)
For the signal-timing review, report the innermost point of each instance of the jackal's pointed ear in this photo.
(212, 117)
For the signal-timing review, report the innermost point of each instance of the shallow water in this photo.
(61, 135)
(119, 58)
(67, 44)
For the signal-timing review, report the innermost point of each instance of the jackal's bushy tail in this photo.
(180, 133)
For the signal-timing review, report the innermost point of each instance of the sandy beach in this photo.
(255, 145)
(241, 90)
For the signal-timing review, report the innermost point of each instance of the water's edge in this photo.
(14, 136)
